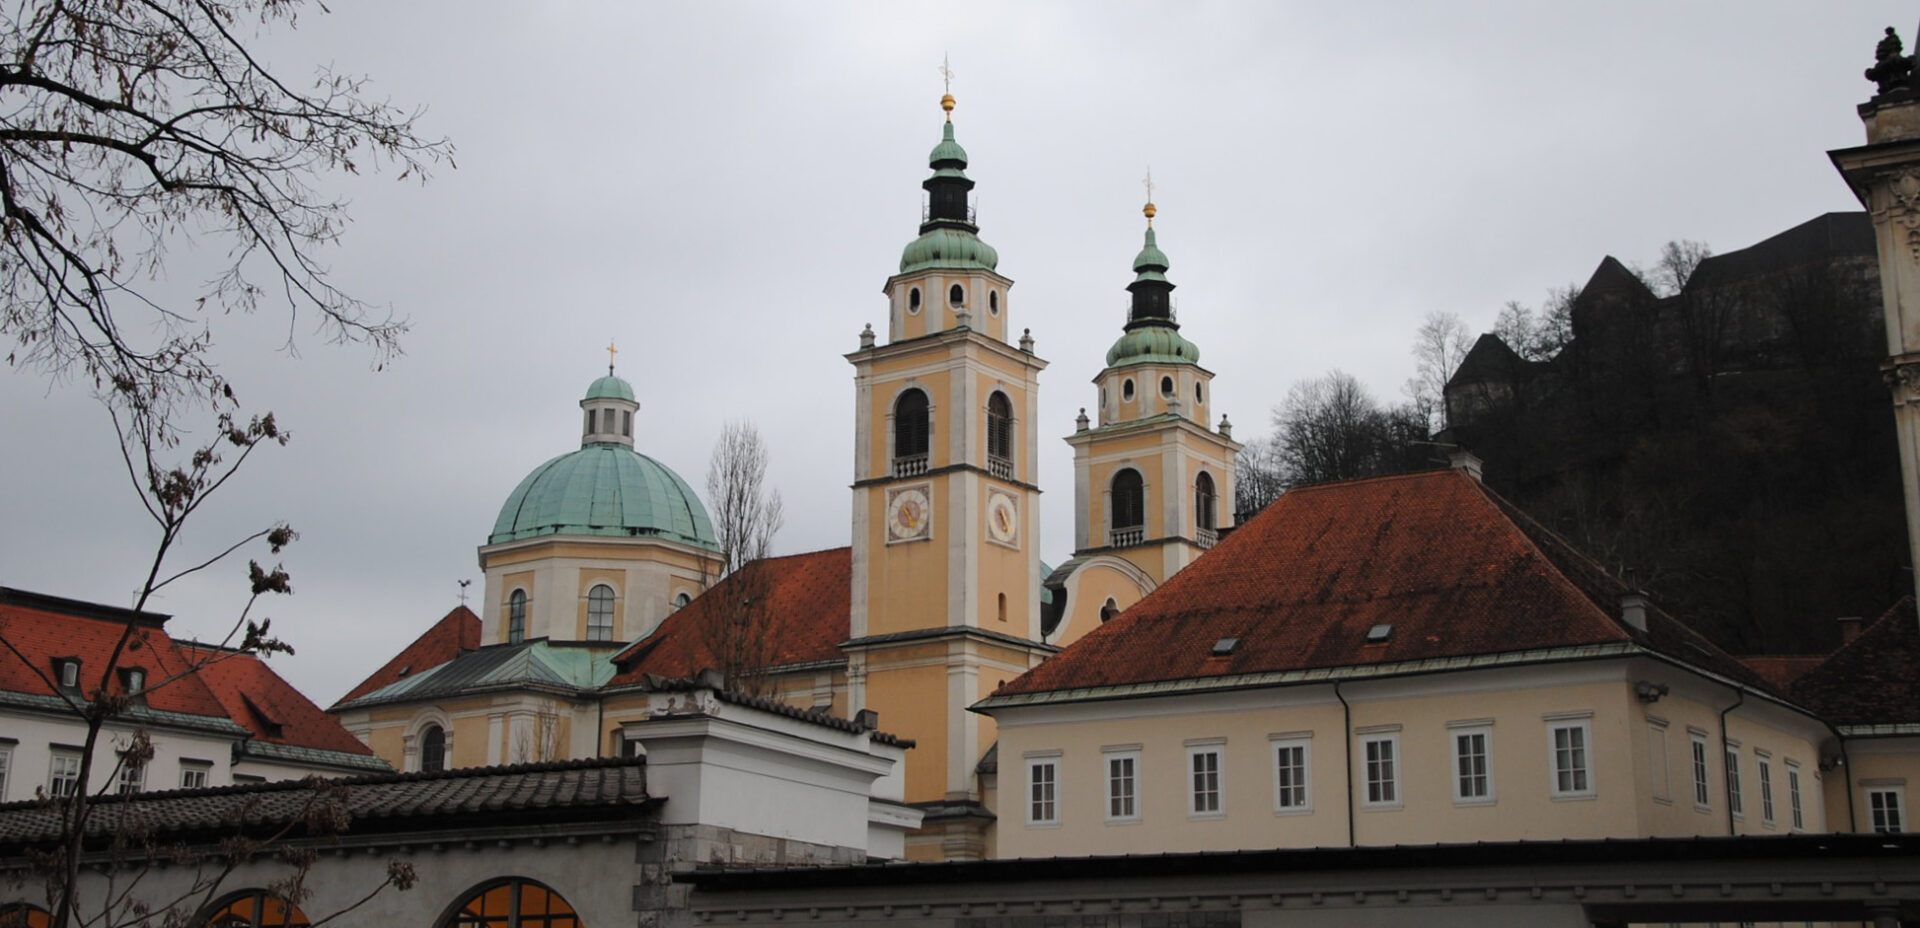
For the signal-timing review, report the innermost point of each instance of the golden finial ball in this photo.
(946, 102)
(1149, 211)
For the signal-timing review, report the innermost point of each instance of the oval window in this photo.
(993, 302)
(956, 296)
(1126, 390)
(1199, 395)
(1166, 386)
(913, 300)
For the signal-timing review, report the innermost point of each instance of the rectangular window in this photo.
(1766, 789)
(1123, 783)
(1043, 777)
(1793, 796)
(6, 762)
(1885, 804)
(1383, 776)
(63, 773)
(1572, 770)
(1734, 800)
(132, 778)
(1472, 771)
(1701, 798)
(1290, 784)
(1203, 767)
(195, 774)
(1658, 763)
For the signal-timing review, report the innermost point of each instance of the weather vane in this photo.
(611, 351)
(946, 83)
(463, 591)
(1150, 209)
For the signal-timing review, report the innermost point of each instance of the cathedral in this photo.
(603, 570)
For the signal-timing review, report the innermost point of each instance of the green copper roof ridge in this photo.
(947, 150)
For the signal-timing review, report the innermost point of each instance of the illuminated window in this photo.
(21, 915)
(256, 909)
(514, 903)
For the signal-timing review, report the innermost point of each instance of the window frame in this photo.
(1051, 802)
(1138, 496)
(1216, 750)
(190, 766)
(441, 749)
(6, 766)
(1660, 752)
(1736, 794)
(1115, 813)
(129, 777)
(1380, 771)
(1583, 784)
(904, 433)
(1894, 805)
(1763, 763)
(610, 602)
(1000, 427)
(55, 776)
(1281, 789)
(1798, 820)
(1456, 733)
(1206, 502)
(517, 615)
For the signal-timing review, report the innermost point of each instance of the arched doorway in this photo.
(512, 903)
(256, 908)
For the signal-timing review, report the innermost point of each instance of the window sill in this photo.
(1382, 807)
(1123, 821)
(1206, 816)
(1042, 826)
(1662, 801)
(1476, 801)
(1296, 810)
(1575, 797)
(1703, 810)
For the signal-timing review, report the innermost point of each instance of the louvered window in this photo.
(1000, 436)
(1203, 502)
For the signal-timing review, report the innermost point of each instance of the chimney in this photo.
(1633, 609)
(1849, 629)
(1463, 459)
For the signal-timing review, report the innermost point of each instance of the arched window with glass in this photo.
(912, 432)
(433, 749)
(517, 617)
(512, 903)
(1205, 505)
(255, 908)
(22, 915)
(1129, 509)
(600, 613)
(1000, 435)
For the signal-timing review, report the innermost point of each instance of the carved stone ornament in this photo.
(1903, 380)
(1903, 205)
(1890, 68)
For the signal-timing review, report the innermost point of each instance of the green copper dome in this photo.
(1151, 263)
(1152, 344)
(604, 489)
(947, 150)
(953, 249)
(610, 387)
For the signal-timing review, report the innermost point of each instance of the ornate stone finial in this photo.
(611, 351)
(1226, 428)
(946, 84)
(866, 336)
(1890, 68)
(1026, 340)
(1149, 210)
(1080, 421)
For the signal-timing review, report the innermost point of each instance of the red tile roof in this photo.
(1452, 570)
(457, 632)
(37, 629)
(267, 705)
(1873, 679)
(1782, 669)
(809, 604)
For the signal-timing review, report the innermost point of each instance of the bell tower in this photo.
(946, 563)
(1153, 484)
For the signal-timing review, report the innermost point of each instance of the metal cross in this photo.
(463, 591)
(1149, 184)
(946, 75)
(611, 351)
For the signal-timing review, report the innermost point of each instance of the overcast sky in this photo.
(722, 188)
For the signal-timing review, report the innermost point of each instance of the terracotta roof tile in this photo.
(809, 604)
(267, 705)
(1781, 669)
(1440, 564)
(1873, 679)
(38, 628)
(457, 632)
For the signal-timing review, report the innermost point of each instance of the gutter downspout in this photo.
(1846, 776)
(1346, 712)
(1728, 773)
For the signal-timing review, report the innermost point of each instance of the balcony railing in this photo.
(1126, 537)
(912, 465)
(1000, 467)
(1205, 537)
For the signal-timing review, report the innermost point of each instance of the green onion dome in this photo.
(948, 248)
(604, 489)
(1153, 344)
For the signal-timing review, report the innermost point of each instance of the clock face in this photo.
(908, 514)
(1003, 519)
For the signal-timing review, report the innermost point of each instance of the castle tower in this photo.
(1885, 175)
(1153, 485)
(945, 511)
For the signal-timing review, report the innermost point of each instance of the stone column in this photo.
(1885, 175)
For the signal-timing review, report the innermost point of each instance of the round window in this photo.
(913, 300)
(1126, 390)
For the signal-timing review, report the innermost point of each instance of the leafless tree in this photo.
(1439, 346)
(1331, 428)
(540, 739)
(1259, 477)
(747, 515)
(1679, 259)
(133, 126)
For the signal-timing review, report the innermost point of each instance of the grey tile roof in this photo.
(573, 667)
(601, 789)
